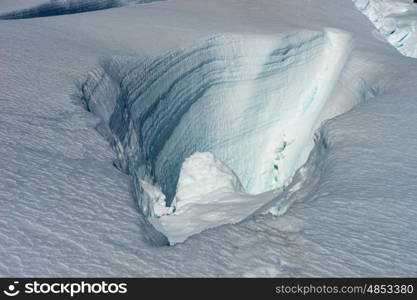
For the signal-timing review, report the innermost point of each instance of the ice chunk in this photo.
(201, 177)
(209, 194)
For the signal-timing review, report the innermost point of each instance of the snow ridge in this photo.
(225, 95)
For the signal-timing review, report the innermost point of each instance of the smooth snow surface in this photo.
(207, 115)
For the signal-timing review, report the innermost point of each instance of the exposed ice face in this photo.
(396, 20)
(252, 101)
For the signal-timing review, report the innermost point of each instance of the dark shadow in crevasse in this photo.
(65, 7)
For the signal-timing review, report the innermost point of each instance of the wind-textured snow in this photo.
(65, 210)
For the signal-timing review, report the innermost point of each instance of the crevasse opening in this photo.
(211, 132)
(66, 7)
(396, 22)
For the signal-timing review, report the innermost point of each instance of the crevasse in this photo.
(240, 110)
(395, 20)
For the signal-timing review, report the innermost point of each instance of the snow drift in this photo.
(252, 101)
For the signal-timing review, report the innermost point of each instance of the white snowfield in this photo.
(206, 115)
(28, 9)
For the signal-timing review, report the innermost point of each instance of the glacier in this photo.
(329, 150)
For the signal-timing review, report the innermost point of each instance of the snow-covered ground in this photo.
(251, 83)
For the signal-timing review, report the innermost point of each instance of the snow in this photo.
(210, 174)
(10, 5)
(344, 204)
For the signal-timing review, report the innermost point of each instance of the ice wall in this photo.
(396, 20)
(252, 101)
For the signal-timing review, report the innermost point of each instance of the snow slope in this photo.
(10, 5)
(66, 211)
